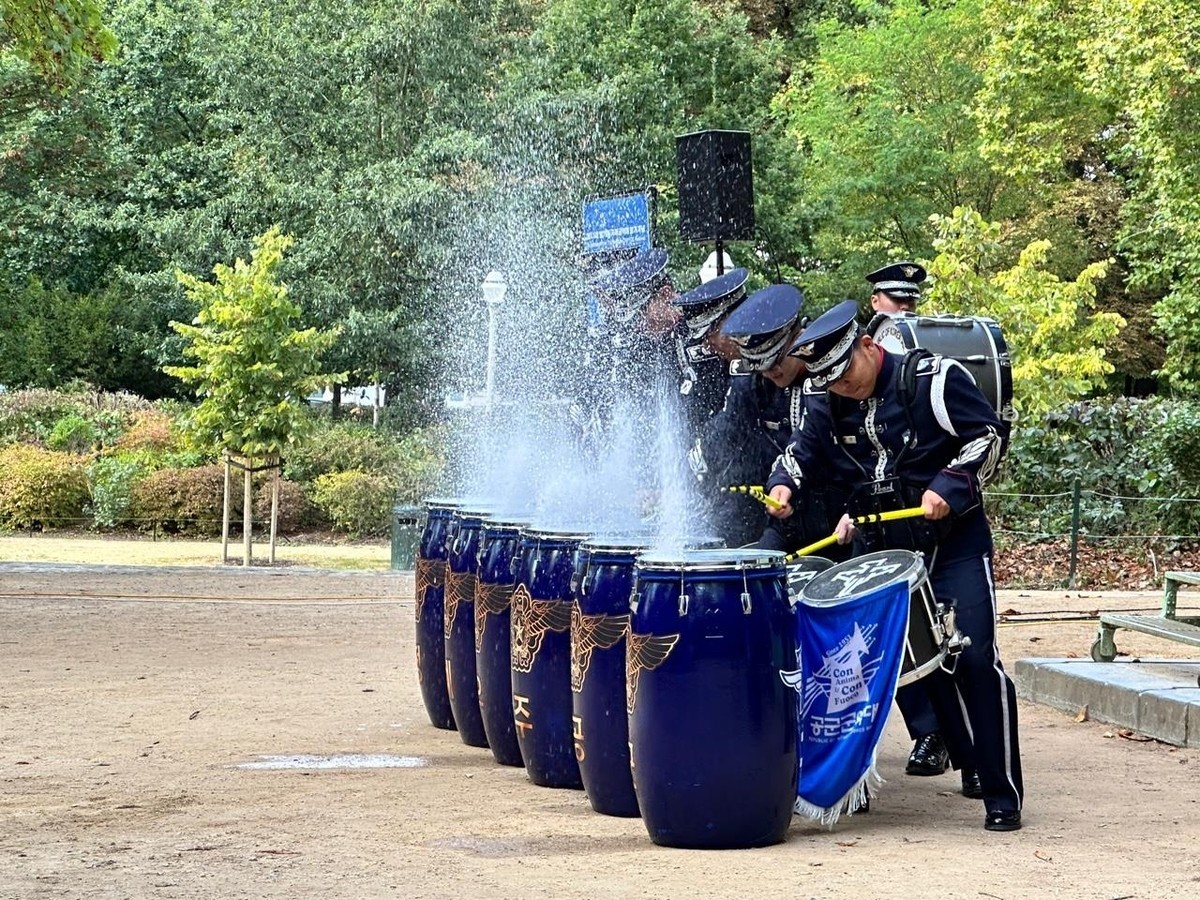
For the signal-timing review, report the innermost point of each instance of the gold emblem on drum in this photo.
(489, 599)
(644, 651)
(431, 573)
(460, 588)
(589, 633)
(531, 619)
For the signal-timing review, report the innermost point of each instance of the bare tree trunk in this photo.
(274, 507)
(247, 505)
(225, 517)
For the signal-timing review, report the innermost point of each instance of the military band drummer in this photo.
(933, 442)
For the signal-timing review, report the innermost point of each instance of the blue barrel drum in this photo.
(712, 725)
(463, 567)
(604, 578)
(493, 597)
(430, 598)
(541, 656)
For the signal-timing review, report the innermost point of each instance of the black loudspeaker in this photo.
(716, 187)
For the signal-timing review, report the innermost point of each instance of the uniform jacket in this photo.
(949, 440)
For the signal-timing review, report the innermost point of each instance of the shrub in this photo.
(342, 447)
(149, 430)
(110, 483)
(1135, 462)
(28, 416)
(358, 503)
(73, 434)
(420, 461)
(41, 488)
(185, 501)
(296, 511)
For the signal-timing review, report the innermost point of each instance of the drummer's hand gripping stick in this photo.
(891, 516)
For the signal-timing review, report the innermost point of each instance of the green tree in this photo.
(58, 38)
(1056, 341)
(1108, 91)
(253, 367)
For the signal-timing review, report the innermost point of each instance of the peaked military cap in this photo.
(631, 284)
(827, 343)
(762, 324)
(704, 305)
(899, 280)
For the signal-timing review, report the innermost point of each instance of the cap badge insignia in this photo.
(909, 271)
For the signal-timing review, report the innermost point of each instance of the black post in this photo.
(1074, 533)
(720, 258)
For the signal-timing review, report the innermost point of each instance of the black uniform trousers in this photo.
(980, 691)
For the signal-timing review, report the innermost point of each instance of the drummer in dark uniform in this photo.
(705, 354)
(751, 431)
(713, 382)
(634, 346)
(896, 288)
(932, 441)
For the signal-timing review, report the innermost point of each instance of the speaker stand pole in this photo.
(720, 258)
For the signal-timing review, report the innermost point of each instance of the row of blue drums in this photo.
(649, 679)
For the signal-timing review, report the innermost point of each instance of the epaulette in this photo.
(738, 367)
(929, 365)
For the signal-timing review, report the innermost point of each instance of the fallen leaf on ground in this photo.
(1131, 735)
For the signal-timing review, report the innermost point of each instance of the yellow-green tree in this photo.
(253, 367)
(1055, 337)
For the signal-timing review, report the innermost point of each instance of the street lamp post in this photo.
(494, 288)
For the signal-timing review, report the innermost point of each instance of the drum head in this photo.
(863, 575)
(499, 527)
(566, 533)
(442, 503)
(472, 514)
(709, 560)
(622, 544)
(803, 570)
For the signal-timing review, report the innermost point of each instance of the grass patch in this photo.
(134, 551)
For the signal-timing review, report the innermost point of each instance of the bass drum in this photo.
(974, 341)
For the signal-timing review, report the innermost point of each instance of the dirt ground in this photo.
(129, 696)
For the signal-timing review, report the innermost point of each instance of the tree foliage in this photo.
(1056, 341)
(253, 367)
(57, 37)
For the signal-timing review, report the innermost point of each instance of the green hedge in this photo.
(1137, 463)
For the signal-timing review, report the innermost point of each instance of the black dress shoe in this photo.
(971, 786)
(928, 757)
(1003, 820)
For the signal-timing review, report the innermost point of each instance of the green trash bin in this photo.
(407, 523)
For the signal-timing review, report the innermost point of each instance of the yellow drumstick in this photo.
(756, 491)
(892, 515)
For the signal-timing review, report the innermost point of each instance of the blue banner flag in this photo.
(616, 223)
(849, 656)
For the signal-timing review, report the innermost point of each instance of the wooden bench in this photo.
(1168, 624)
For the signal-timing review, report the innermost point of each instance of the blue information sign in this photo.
(616, 223)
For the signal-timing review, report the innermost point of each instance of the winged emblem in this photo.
(489, 598)
(909, 271)
(460, 588)
(644, 651)
(431, 573)
(531, 619)
(589, 633)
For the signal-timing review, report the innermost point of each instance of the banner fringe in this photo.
(854, 799)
